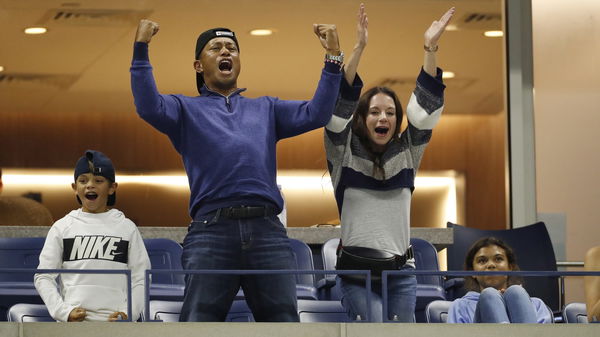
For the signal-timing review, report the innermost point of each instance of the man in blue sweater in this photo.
(227, 143)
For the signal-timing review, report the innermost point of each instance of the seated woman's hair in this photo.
(471, 283)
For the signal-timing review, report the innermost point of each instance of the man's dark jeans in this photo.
(215, 242)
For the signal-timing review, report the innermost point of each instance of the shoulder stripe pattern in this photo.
(350, 163)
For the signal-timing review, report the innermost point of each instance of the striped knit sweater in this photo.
(375, 210)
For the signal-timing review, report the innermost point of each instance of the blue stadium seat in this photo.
(166, 311)
(165, 254)
(429, 287)
(322, 311)
(17, 253)
(24, 313)
(239, 312)
(169, 311)
(305, 283)
(575, 313)
(437, 311)
(308, 310)
(328, 290)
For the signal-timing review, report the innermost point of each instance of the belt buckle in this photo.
(243, 212)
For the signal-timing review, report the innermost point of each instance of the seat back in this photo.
(24, 313)
(532, 247)
(304, 261)
(437, 311)
(20, 253)
(322, 311)
(169, 311)
(328, 253)
(328, 288)
(426, 259)
(166, 311)
(429, 287)
(575, 313)
(165, 254)
(239, 312)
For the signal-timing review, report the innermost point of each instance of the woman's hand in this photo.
(434, 32)
(432, 36)
(362, 22)
(362, 37)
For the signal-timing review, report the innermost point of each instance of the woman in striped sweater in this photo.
(373, 164)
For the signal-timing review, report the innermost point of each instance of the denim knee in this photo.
(490, 294)
(516, 290)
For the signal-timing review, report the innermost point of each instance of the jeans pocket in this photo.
(202, 222)
(274, 221)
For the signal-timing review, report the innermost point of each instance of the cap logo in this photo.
(223, 33)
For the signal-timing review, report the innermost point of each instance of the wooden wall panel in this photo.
(472, 144)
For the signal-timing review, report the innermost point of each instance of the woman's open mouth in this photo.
(382, 130)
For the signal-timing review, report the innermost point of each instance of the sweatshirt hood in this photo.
(110, 216)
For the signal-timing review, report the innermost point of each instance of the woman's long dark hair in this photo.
(471, 283)
(359, 125)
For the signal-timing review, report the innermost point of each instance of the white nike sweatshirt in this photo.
(83, 240)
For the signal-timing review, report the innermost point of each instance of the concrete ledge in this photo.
(294, 329)
(440, 237)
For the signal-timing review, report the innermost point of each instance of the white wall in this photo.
(566, 50)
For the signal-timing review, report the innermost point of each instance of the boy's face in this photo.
(93, 191)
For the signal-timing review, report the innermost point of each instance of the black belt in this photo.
(243, 212)
(375, 260)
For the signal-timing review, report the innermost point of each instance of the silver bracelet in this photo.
(431, 49)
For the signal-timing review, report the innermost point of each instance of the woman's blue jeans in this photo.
(514, 306)
(214, 242)
(402, 297)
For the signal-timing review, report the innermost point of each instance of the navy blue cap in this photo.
(99, 164)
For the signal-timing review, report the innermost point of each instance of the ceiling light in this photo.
(1, 69)
(261, 32)
(494, 33)
(448, 74)
(451, 28)
(35, 30)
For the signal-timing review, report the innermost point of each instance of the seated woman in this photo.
(497, 298)
(592, 285)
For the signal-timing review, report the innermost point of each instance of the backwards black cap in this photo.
(203, 40)
(99, 164)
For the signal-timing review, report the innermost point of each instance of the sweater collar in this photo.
(207, 92)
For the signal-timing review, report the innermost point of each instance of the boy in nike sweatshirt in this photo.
(93, 237)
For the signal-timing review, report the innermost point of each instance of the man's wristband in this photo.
(337, 59)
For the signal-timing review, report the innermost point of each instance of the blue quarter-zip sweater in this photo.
(228, 144)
